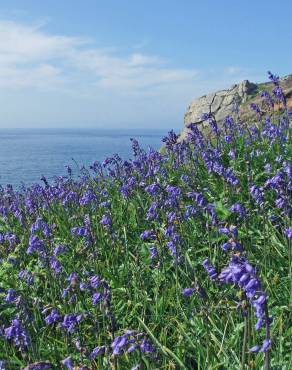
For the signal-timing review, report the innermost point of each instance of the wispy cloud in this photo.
(107, 83)
(28, 56)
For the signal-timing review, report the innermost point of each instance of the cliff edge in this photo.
(220, 103)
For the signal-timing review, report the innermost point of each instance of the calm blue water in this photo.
(27, 154)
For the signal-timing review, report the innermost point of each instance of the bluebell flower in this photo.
(210, 269)
(267, 98)
(68, 363)
(96, 351)
(288, 232)
(240, 272)
(255, 348)
(27, 276)
(232, 153)
(59, 249)
(153, 252)
(55, 265)
(106, 220)
(266, 345)
(94, 281)
(17, 334)
(35, 245)
(40, 225)
(79, 231)
(53, 317)
(146, 346)
(187, 292)
(119, 343)
(274, 78)
(11, 296)
(152, 213)
(239, 209)
(148, 234)
(97, 297)
(257, 194)
(70, 321)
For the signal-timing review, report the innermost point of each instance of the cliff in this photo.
(220, 103)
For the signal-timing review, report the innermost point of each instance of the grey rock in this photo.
(219, 103)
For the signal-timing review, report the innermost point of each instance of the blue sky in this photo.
(131, 64)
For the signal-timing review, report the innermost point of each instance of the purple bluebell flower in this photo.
(70, 321)
(11, 296)
(79, 231)
(274, 78)
(146, 346)
(224, 230)
(88, 197)
(267, 98)
(94, 281)
(171, 245)
(187, 292)
(148, 234)
(96, 351)
(256, 109)
(27, 276)
(190, 211)
(106, 220)
(241, 273)
(53, 317)
(17, 334)
(173, 191)
(239, 209)
(68, 363)
(266, 345)
(97, 297)
(232, 153)
(288, 232)
(59, 249)
(153, 189)
(153, 252)
(268, 168)
(210, 269)
(170, 140)
(120, 343)
(152, 212)
(255, 348)
(55, 265)
(276, 182)
(35, 245)
(105, 204)
(73, 279)
(40, 225)
(257, 194)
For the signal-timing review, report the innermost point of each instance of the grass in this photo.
(141, 287)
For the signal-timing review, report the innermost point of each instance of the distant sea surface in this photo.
(27, 154)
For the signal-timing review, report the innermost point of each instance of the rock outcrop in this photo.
(220, 103)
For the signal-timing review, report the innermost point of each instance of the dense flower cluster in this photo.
(85, 258)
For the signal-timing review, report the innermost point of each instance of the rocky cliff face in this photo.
(220, 103)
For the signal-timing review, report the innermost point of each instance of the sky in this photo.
(129, 63)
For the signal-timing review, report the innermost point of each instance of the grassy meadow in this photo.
(175, 259)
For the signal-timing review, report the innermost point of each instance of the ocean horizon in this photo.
(28, 154)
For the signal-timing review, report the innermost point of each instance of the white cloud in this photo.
(74, 81)
(29, 56)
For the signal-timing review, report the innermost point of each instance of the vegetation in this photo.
(178, 259)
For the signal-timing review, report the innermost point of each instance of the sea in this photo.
(28, 154)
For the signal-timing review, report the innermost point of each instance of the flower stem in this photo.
(267, 354)
(245, 334)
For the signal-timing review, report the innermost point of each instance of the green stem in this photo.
(267, 354)
(245, 336)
